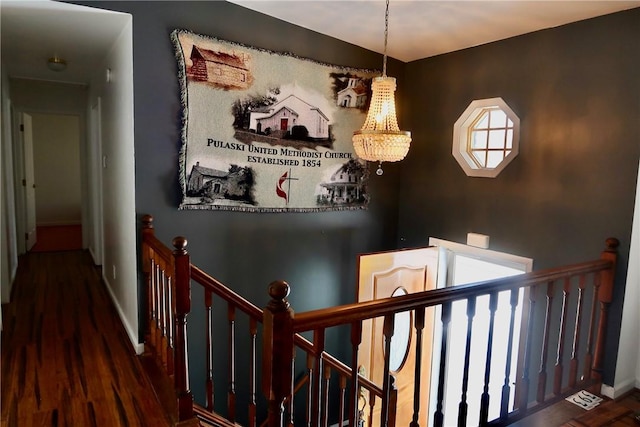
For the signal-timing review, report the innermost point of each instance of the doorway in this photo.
(460, 264)
(442, 264)
(53, 208)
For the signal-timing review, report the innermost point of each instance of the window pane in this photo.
(510, 138)
(483, 122)
(496, 138)
(498, 119)
(494, 159)
(481, 157)
(509, 123)
(479, 139)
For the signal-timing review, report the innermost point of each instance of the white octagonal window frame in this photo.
(462, 137)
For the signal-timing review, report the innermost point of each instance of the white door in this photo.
(461, 264)
(29, 182)
(95, 184)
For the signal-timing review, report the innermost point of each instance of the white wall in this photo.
(8, 242)
(628, 364)
(56, 159)
(118, 185)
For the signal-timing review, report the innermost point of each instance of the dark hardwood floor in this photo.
(621, 412)
(66, 359)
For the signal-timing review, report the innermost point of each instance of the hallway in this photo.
(66, 359)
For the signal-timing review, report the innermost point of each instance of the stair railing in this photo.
(280, 326)
(164, 342)
(169, 276)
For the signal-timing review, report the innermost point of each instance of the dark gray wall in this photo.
(577, 93)
(244, 250)
(314, 252)
(575, 89)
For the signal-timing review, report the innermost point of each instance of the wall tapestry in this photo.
(268, 132)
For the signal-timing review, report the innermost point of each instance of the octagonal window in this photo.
(485, 137)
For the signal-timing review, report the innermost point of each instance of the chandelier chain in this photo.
(386, 36)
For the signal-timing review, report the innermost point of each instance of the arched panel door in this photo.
(390, 274)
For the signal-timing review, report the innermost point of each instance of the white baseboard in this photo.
(133, 335)
(619, 389)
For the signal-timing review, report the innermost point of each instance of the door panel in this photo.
(383, 275)
(29, 182)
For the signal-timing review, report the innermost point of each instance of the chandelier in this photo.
(380, 139)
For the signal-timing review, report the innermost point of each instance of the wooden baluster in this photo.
(157, 334)
(209, 343)
(605, 296)
(573, 367)
(318, 348)
(463, 406)
(485, 398)
(231, 393)
(557, 377)
(588, 357)
(387, 332)
(542, 373)
(438, 418)
(356, 339)
(310, 386)
(343, 394)
(153, 325)
(523, 389)
(393, 401)
(324, 416)
(170, 328)
(372, 405)
(292, 385)
(277, 352)
(253, 332)
(417, 376)
(506, 389)
(147, 265)
(183, 307)
(163, 318)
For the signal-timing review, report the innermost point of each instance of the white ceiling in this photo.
(34, 30)
(423, 28)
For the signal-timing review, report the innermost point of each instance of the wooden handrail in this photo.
(225, 293)
(280, 351)
(334, 316)
(171, 274)
(217, 287)
(193, 273)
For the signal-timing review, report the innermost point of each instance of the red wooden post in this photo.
(182, 308)
(277, 352)
(147, 230)
(605, 296)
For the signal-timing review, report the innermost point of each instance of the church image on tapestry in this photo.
(264, 131)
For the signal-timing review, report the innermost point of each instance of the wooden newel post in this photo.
(277, 351)
(147, 230)
(182, 308)
(605, 296)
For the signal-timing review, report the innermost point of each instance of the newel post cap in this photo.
(180, 245)
(278, 291)
(147, 221)
(612, 244)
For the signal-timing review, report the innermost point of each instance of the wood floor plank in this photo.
(66, 358)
